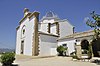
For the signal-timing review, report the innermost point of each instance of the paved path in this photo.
(52, 61)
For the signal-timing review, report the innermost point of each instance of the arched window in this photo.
(23, 30)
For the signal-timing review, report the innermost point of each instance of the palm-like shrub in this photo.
(7, 59)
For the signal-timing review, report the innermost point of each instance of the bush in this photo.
(7, 59)
(61, 50)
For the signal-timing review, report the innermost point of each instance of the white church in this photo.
(41, 37)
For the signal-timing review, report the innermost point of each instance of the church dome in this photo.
(50, 15)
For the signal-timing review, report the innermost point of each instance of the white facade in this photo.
(27, 37)
(70, 44)
(47, 45)
(74, 41)
(50, 28)
(65, 28)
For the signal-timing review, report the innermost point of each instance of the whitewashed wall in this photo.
(70, 44)
(29, 36)
(53, 29)
(47, 45)
(65, 28)
(29, 25)
(44, 27)
(18, 41)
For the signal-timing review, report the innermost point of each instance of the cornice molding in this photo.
(35, 14)
(78, 35)
(49, 34)
(29, 15)
(24, 18)
(17, 27)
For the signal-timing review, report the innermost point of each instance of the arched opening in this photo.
(85, 44)
(23, 30)
(96, 47)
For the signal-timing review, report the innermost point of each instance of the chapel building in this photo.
(41, 37)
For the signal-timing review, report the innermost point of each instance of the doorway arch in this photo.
(85, 44)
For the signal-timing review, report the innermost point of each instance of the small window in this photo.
(23, 31)
(64, 45)
(75, 44)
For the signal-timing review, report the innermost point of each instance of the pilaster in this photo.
(57, 28)
(35, 46)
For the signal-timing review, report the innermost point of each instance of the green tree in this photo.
(95, 23)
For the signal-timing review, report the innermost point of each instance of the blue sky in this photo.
(11, 11)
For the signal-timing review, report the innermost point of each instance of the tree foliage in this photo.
(95, 23)
(61, 50)
(7, 59)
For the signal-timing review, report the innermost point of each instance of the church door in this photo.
(22, 47)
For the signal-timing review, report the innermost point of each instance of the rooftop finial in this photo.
(26, 11)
